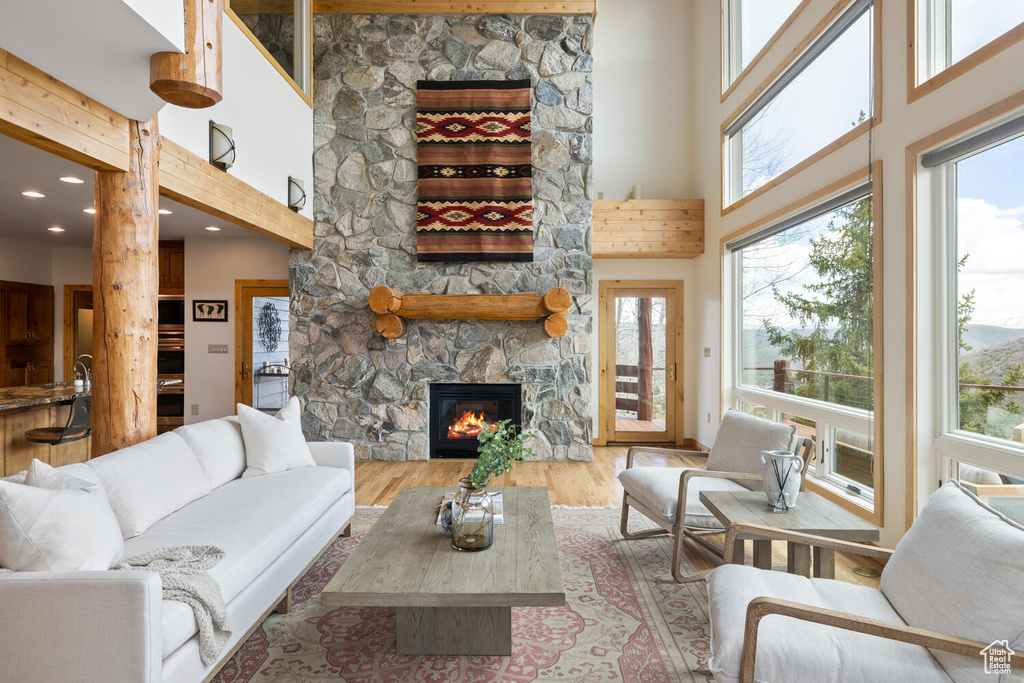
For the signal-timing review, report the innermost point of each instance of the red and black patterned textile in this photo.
(475, 171)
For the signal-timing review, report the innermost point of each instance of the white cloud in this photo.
(994, 240)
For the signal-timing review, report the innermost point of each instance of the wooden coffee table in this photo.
(451, 602)
(812, 514)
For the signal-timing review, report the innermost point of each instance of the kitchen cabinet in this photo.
(26, 351)
(172, 267)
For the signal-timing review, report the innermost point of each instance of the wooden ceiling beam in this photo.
(193, 181)
(421, 6)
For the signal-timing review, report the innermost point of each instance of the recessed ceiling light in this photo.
(89, 210)
(33, 194)
(164, 212)
(71, 179)
(213, 228)
(56, 228)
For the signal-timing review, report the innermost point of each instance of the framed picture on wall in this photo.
(209, 310)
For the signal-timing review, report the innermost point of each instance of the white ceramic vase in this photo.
(782, 472)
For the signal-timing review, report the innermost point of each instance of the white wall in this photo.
(901, 124)
(272, 124)
(70, 267)
(643, 116)
(647, 269)
(211, 267)
(26, 261)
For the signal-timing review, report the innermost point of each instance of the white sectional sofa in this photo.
(184, 488)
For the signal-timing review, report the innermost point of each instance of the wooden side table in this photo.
(812, 514)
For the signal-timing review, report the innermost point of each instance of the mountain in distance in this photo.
(984, 336)
(993, 362)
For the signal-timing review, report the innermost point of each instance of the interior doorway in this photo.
(78, 323)
(262, 368)
(640, 352)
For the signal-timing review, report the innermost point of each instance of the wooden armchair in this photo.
(670, 496)
(921, 603)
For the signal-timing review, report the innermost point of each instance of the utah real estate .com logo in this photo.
(997, 657)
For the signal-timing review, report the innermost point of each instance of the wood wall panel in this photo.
(648, 228)
(187, 178)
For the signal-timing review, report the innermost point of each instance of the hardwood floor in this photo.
(575, 484)
(628, 424)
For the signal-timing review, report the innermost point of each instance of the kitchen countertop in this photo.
(43, 394)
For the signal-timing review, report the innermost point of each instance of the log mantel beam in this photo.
(393, 307)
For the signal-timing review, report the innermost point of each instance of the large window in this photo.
(950, 30)
(984, 181)
(803, 299)
(749, 25)
(825, 92)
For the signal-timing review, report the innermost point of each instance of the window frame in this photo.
(729, 203)
(730, 42)
(826, 416)
(922, 39)
(303, 49)
(931, 370)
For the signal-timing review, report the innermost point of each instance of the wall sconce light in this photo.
(222, 146)
(296, 194)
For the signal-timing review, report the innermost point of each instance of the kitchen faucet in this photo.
(78, 361)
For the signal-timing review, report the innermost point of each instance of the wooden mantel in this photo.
(393, 307)
(648, 228)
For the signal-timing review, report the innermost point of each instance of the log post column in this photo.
(125, 287)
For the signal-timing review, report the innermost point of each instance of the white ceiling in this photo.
(99, 47)
(23, 167)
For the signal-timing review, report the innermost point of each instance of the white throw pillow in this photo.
(274, 443)
(150, 480)
(218, 447)
(59, 523)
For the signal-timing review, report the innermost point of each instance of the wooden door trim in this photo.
(240, 287)
(675, 295)
(69, 326)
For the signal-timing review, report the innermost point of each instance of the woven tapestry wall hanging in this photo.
(475, 171)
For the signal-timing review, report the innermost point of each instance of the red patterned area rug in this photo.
(625, 620)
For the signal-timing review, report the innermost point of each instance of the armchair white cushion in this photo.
(657, 488)
(742, 437)
(960, 570)
(794, 651)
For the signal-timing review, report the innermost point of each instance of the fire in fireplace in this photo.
(460, 412)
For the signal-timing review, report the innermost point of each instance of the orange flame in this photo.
(469, 426)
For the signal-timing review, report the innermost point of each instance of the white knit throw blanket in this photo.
(184, 571)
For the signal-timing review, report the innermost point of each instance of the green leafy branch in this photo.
(500, 447)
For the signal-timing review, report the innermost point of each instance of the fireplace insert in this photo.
(459, 412)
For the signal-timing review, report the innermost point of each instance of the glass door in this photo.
(263, 366)
(639, 329)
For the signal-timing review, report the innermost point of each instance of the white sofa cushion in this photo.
(58, 523)
(972, 588)
(657, 488)
(273, 443)
(794, 651)
(742, 437)
(150, 480)
(218, 447)
(254, 520)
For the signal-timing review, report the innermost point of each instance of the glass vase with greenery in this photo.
(501, 445)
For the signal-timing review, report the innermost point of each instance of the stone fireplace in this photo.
(357, 386)
(459, 412)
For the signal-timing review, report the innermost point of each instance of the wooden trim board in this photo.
(648, 228)
(258, 7)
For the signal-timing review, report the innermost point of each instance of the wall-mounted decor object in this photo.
(222, 146)
(393, 308)
(296, 194)
(212, 311)
(475, 171)
(268, 325)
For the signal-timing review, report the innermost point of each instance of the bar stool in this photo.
(79, 425)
